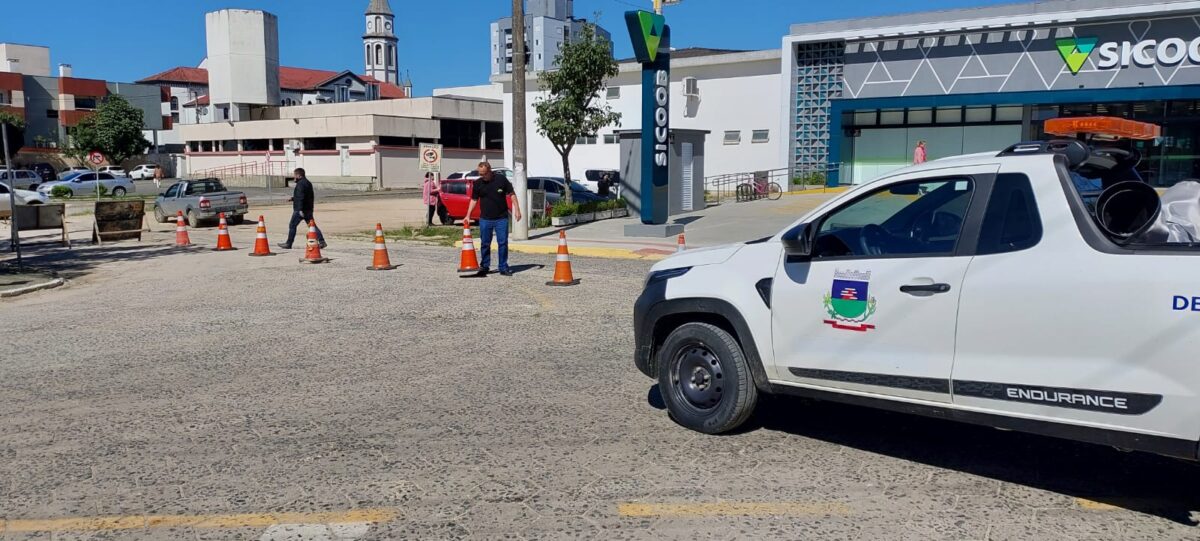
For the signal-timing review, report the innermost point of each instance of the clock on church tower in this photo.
(379, 43)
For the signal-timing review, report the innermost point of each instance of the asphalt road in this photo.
(201, 395)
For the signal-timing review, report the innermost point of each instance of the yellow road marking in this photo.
(543, 300)
(725, 509)
(811, 191)
(1092, 505)
(585, 251)
(138, 522)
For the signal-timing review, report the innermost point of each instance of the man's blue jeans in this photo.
(500, 229)
(299, 217)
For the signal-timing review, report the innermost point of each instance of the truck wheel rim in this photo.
(699, 377)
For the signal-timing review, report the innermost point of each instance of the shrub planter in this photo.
(559, 221)
(620, 213)
(604, 214)
(585, 217)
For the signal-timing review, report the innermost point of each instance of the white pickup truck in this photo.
(985, 288)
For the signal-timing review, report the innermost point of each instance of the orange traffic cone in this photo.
(261, 246)
(562, 266)
(382, 261)
(312, 248)
(223, 242)
(681, 244)
(182, 239)
(468, 262)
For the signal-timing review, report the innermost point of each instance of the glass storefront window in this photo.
(979, 114)
(949, 115)
(864, 118)
(920, 116)
(891, 117)
(1009, 113)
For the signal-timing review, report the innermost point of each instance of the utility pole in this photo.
(520, 174)
(12, 193)
(658, 6)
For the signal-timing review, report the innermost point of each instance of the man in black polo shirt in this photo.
(491, 193)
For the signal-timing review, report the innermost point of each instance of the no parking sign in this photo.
(431, 157)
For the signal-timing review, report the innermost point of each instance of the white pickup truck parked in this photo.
(990, 288)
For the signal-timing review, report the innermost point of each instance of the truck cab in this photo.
(990, 288)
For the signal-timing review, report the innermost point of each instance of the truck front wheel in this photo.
(705, 380)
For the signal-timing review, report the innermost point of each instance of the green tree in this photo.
(15, 126)
(570, 110)
(115, 130)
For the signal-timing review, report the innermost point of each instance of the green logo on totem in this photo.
(646, 32)
(1075, 51)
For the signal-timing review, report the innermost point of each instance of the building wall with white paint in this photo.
(737, 93)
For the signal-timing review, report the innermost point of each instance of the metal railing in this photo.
(249, 169)
(719, 188)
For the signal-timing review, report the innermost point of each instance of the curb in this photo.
(585, 251)
(8, 293)
(814, 191)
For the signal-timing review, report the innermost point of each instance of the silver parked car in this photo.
(23, 179)
(86, 183)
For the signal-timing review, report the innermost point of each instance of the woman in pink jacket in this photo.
(430, 190)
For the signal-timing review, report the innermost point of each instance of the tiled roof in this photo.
(304, 78)
(289, 79)
(387, 91)
(179, 75)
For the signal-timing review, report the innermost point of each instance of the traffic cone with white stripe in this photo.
(468, 262)
(381, 261)
(182, 239)
(312, 247)
(261, 246)
(223, 242)
(681, 244)
(562, 264)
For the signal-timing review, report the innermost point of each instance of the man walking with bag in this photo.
(492, 194)
(302, 209)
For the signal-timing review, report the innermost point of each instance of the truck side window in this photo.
(1011, 221)
(907, 219)
(172, 191)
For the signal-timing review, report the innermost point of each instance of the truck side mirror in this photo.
(798, 241)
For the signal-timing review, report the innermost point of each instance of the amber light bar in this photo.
(1103, 125)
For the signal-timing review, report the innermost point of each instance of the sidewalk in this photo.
(726, 223)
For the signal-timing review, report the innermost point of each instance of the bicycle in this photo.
(758, 190)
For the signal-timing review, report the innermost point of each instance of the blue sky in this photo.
(442, 42)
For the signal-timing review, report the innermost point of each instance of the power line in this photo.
(630, 4)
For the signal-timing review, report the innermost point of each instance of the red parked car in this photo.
(456, 197)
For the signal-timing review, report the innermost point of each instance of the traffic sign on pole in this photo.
(95, 157)
(431, 157)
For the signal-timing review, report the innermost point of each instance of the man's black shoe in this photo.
(482, 273)
(285, 246)
(506, 272)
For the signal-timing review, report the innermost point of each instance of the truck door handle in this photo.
(925, 288)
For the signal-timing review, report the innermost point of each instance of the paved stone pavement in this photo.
(203, 395)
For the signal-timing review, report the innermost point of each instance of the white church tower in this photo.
(380, 43)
